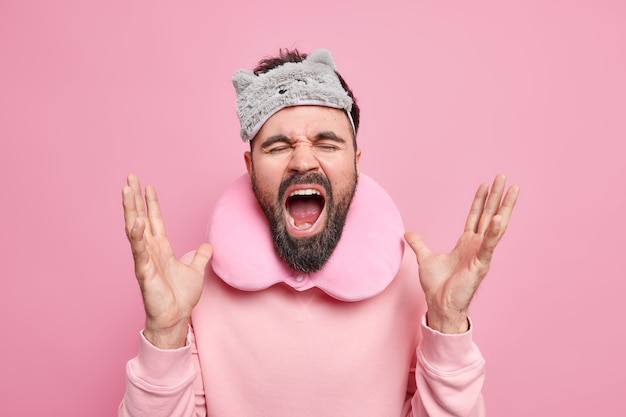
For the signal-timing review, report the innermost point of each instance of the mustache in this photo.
(311, 178)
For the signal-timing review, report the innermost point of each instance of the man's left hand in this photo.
(450, 280)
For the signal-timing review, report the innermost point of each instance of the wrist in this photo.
(448, 323)
(171, 338)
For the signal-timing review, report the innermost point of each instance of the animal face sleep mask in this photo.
(310, 82)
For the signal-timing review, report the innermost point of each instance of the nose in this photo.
(303, 160)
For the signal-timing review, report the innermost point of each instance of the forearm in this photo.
(449, 375)
(160, 383)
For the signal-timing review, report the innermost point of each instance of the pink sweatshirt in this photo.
(349, 340)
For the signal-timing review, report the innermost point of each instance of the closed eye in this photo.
(276, 144)
(278, 149)
(329, 141)
(327, 147)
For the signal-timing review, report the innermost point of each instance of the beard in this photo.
(306, 254)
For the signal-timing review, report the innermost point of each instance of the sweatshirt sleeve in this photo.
(163, 382)
(449, 375)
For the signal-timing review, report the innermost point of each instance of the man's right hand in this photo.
(170, 288)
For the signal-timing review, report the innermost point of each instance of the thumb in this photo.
(202, 256)
(416, 243)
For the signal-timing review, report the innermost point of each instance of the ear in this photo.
(242, 79)
(321, 56)
(247, 156)
(357, 161)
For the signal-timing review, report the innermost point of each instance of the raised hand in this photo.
(450, 280)
(170, 288)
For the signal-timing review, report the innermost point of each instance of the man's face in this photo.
(304, 170)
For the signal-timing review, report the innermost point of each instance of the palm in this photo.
(450, 280)
(170, 288)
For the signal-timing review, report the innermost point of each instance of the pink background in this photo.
(451, 94)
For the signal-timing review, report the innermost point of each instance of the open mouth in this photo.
(304, 208)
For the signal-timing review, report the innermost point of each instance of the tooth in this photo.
(304, 192)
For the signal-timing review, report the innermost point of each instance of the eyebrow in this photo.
(274, 139)
(329, 134)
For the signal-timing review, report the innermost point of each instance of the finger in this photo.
(418, 245)
(137, 241)
(493, 203)
(471, 224)
(133, 183)
(506, 209)
(130, 210)
(490, 241)
(154, 212)
(202, 257)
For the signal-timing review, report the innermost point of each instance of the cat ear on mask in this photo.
(321, 56)
(242, 79)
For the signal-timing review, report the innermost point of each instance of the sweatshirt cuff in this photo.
(448, 353)
(161, 367)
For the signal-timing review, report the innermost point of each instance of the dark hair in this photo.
(286, 55)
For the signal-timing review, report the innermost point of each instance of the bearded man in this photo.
(307, 301)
